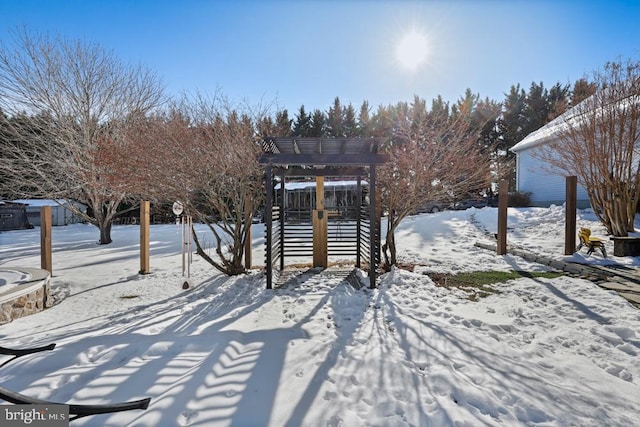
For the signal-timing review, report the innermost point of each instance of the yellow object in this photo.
(592, 243)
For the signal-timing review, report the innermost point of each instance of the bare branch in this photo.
(598, 141)
(67, 106)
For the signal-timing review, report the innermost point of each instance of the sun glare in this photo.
(412, 50)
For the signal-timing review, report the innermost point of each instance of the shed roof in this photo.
(45, 202)
(322, 151)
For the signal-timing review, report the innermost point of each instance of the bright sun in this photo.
(412, 50)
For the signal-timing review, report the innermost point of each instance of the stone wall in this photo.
(26, 304)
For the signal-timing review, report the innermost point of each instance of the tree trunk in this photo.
(389, 248)
(231, 262)
(105, 231)
(391, 245)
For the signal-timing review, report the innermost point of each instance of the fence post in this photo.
(503, 203)
(144, 236)
(248, 224)
(570, 207)
(45, 239)
(268, 223)
(320, 256)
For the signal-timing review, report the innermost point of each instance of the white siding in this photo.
(545, 188)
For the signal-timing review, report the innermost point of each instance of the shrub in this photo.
(519, 200)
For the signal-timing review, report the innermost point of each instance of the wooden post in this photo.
(268, 218)
(320, 256)
(45, 239)
(144, 236)
(189, 237)
(503, 203)
(320, 193)
(282, 220)
(183, 241)
(247, 242)
(374, 231)
(570, 222)
(358, 222)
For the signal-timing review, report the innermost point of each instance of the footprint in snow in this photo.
(334, 421)
(354, 380)
(628, 348)
(620, 372)
(62, 380)
(187, 416)
(330, 395)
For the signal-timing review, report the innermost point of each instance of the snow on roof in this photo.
(42, 202)
(566, 119)
(312, 184)
(544, 134)
(548, 131)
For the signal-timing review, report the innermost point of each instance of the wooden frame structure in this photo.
(319, 158)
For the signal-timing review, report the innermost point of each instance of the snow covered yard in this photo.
(542, 352)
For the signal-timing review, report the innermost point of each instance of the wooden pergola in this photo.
(320, 157)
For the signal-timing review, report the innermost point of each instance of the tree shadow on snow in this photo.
(184, 353)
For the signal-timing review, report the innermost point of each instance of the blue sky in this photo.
(308, 52)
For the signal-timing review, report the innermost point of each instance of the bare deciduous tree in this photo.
(204, 153)
(432, 157)
(599, 141)
(74, 99)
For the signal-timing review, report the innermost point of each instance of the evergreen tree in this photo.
(512, 123)
(439, 109)
(335, 119)
(266, 127)
(419, 114)
(487, 113)
(283, 123)
(302, 124)
(483, 117)
(511, 127)
(557, 100)
(466, 104)
(364, 119)
(582, 89)
(318, 126)
(349, 125)
(536, 109)
(382, 122)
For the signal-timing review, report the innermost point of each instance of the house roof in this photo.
(569, 118)
(548, 131)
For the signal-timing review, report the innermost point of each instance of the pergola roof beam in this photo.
(324, 159)
(333, 171)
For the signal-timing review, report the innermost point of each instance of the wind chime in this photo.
(184, 224)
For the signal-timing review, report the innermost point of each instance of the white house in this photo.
(534, 177)
(60, 214)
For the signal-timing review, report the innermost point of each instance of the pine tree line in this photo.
(504, 123)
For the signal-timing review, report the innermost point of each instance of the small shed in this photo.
(535, 177)
(61, 214)
(13, 216)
